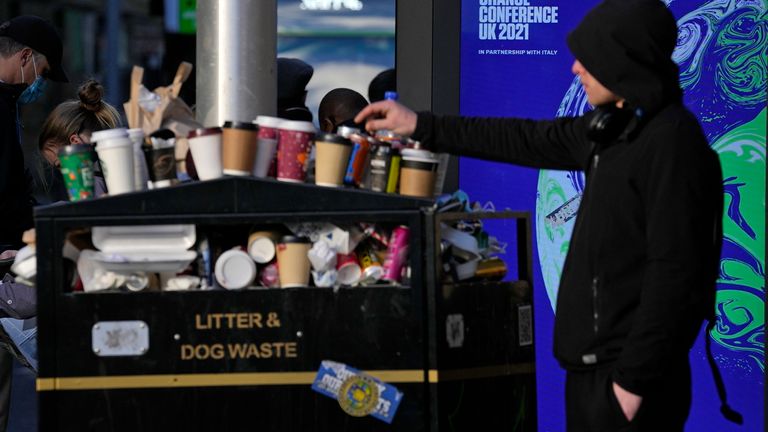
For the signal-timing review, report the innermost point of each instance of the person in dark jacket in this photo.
(30, 52)
(639, 277)
(293, 75)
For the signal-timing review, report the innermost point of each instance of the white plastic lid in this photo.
(235, 269)
(295, 125)
(107, 134)
(262, 250)
(143, 238)
(136, 133)
(115, 142)
(418, 155)
(267, 121)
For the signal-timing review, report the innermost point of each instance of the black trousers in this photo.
(591, 404)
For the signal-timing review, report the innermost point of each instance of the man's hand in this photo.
(629, 402)
(388, 115)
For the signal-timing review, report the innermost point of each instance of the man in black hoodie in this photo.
(639, 277)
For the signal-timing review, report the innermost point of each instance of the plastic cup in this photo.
(418, 169)
(293, 148)
(331, 157)
(205, 145)
(348, 269)
(238, 150)
(267, 144)
(77, 171)
(115, 152)
(293, 262)
(140, 172)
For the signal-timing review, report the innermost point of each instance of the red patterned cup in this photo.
(293, 148)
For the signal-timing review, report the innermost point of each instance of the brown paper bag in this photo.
(171, 113)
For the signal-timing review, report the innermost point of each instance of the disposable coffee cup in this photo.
(162, 165)
(348, 269)
(418, 169)
(140, 171)
(293, 262)
(262, 246)
(331, 157)
(205, 145)
(115, 152)
(77, 171)
(235, 269)
(238, 149)
(293, 148)
(266, 149)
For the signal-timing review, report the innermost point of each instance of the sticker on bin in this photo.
(119, 338)
(358, 394)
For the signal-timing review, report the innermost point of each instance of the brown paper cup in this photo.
(238, 150)
(417, 178)
(292, 261)
(331, 159)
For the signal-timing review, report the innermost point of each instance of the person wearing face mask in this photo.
(72, 122)
(30, 52)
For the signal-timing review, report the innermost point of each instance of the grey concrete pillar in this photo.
(236, 66)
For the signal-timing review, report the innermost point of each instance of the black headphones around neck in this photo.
(609, 122)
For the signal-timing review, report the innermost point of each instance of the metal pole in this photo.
(236, 56)
(111, 67)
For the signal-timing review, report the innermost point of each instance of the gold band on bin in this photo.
(239, 379)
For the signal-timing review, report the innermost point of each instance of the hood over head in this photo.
(627, 45)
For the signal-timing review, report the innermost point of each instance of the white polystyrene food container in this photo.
(143, 238)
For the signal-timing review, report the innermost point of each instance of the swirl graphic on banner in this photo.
(721, 51)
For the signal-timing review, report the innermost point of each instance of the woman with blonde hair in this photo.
(72, 122)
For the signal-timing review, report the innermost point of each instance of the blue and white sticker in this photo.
(358, 394)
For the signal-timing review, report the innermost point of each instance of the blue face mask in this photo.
(35, 90)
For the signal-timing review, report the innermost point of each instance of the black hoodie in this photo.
(639, 277)
(15, 185)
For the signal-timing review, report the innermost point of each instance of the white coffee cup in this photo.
(140, 172)
(115, 152)
(266, 147)
(205, 145)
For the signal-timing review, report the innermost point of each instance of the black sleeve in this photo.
(548, 144)
(682, 197)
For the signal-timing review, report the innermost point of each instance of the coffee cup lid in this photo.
(267, 121)
(332, 138)
(136, 133)
(235, 269)
(346, 131)
(106, 134)
(199, 132)
(418, 155)
(75, 148)
(294, 239)
(295, 125)
(233, 124)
